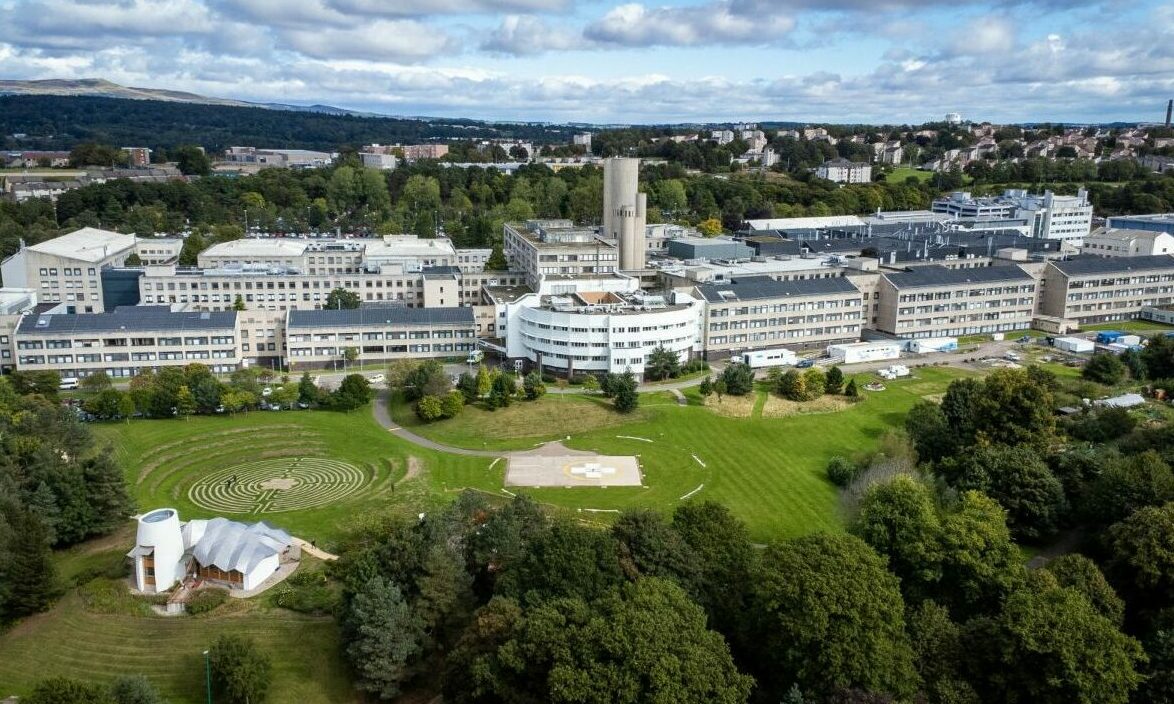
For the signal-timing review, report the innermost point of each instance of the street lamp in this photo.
(208, 676)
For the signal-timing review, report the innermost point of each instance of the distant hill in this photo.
(100, 88)
(163, 119)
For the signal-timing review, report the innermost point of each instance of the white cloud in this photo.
(634, 24)
(379, 40)
(522, 35)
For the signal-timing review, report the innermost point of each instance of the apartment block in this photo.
(1113, 242)
(126, 341)
(933, 301)
(1091, 290)
(758, 311)
(319, 339)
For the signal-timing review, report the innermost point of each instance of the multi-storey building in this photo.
(758, 311)
(67, 269)
(126, 341)
(556, 247)
(320, 338)
(1091, 290)
(137, 157)
(1048, 216)
(1155, 222)
(844, 171)
(1112, 242)
(413, 152)
(932, 301)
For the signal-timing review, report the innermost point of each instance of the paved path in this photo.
(383, 417)
(314, 551)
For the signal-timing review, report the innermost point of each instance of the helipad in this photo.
(554, 464)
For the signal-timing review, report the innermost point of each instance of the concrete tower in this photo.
(1169, 110)
(624, 210)
(158, 553)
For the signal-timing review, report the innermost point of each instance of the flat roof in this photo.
(1080, 266)
(87, 244)
(813, 223)
(926, 276)
(759, 287)
(125, 319)
(255, 247)
(1120, 233)
(367, 317)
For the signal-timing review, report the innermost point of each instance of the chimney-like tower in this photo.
(1169, 110)
(624, 211)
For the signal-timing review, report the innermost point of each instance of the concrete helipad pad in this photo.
(554, 464)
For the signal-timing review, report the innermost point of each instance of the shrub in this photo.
(1105, 369)
(814, 383)
(429, 408)
(739, 379)
(206, 599)
(841, 471)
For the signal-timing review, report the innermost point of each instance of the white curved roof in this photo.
(229, 545)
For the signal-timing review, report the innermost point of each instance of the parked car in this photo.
(266, 391)
(805, 363)
(376, 379)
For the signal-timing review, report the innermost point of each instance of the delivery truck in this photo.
(856, 352)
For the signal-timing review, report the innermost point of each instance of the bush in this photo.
(841, 471)
(206, 599)
(739, 379)
(814, 383)
(307, 592)
(1105, 369)
(240, 672)
(429, 408)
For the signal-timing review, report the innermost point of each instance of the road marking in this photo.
(699, 488)
(698, 460)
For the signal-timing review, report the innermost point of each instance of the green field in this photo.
(768, 471)
(899, 174)
(164, 458)
(1136, 327)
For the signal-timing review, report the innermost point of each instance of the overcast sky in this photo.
(599, 61)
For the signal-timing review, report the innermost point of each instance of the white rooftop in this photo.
(14, 300)
(814, 223)
(409, 246)
(1125, 235)
(88, 244)
(254, 247)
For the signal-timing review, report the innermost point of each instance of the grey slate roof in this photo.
(925, 276)
(362, 317)
(757, 287)
(1082, 266)
(126, 319)
(229, 545)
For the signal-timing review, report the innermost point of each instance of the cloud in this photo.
(379, 40)
(524, 35)
(634, 24)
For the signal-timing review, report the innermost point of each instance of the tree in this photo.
(739, 379)
(134, 689)
(591, 383)
(1141, 549)
(850, 390)
(446, 599)
(308, 392)
(642, 642)
(1048, 645)
(1008, 407)
(502, 392)
(834, 381)
(238, 303)
(829, 616)
(206, 392)
(980, 563)
(841, 471)
(382, 636)
(725, 561)
(1018, 479)
(192, 160)
(484, 381)
(240, 671)
(568, 560)
(940, 655)
(1126, 484)
(898, 519)
(1158, 356)
(710, 228)
(185, 402)
(452, 403)
(341, 299)
(30, 575)
(719, 388)
(1082, 574)
(814, 383)
(467, 385)
(98, 381)
(236, 401)
(650, 546)
(353, 392)
(791, 385)
(533, 386)
(62, 690)
(706, 387)
(349, 355)
(625, 397)
(662, 364)
(930, 431)
(429, 408)
(1104, 368)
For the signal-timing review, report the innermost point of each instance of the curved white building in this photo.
(604, 325)
(159, 551)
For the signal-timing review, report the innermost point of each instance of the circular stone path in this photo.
(276, 485)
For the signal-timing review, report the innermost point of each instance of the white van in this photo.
(68, 383)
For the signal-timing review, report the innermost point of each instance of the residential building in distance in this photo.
(1088, 290)
(414, 152)
(953, 118)
(1156, 222)
(757, 311)
(1113, 242)
(1157, 164)
(126, 341)
(583, 139)
(844, 171)
(138, 157)
(34, 159)
(319, 338)
(933, 301)
(67, 269)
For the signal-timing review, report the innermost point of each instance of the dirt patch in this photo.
(778, 407)
(279, 483)
(415, 466)
(732, 406)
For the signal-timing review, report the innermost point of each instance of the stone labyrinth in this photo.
(276, 485)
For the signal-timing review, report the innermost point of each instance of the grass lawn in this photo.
(164, 458)
(1132, 326)
(899, 174)
(768, 471)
